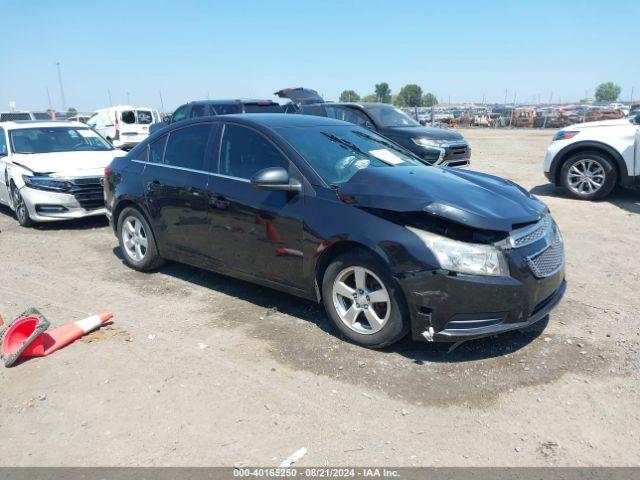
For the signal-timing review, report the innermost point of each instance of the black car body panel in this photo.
(488, 202)
(285, 239)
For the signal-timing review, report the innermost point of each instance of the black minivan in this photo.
(333, 212)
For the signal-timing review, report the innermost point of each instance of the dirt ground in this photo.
(199, 369)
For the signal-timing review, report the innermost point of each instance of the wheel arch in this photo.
(127, 202)
(333, 251)
(591, 146)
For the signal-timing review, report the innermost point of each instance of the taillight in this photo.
(107, 172)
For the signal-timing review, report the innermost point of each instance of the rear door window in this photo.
(156, 149)
(145, 117)
(243, 152)
(128, 116)
(226, 108)
(187, 146)
(198, 111)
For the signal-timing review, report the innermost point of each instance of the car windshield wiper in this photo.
(347, 144)
(389, 145)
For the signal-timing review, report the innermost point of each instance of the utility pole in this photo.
(110, 100)
(505, 96)
(631, 96)
(512, 110)
(162, 102)
(64, 101)
(49, 99)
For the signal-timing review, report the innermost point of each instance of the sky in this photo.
(183, 50)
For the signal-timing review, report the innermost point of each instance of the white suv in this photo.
(590, 159)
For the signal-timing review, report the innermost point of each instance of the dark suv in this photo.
(437, 146)
(330, 211)
(205, 108)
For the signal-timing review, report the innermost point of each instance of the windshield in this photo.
(388, 116)
(337, 153)
(56, 139)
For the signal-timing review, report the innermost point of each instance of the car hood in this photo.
(603, 123)
(67, 163)
(421, 132)
(470, 198)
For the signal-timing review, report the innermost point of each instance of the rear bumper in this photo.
(465, 307)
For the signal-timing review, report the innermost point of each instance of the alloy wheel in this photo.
(19, 206)
(361, 300)
(134, 238)
(586, 176)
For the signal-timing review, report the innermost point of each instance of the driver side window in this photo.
(180, 114)
(347, 115)
(244, 152)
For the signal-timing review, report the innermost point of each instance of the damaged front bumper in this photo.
(446, 307)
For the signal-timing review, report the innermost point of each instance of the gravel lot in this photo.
(200, 369)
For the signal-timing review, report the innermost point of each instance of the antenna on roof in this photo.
(64, 102)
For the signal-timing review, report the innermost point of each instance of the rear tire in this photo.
(588, 176)
(363, 300)
(20, 208)
(137, 241)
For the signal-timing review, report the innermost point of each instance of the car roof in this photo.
(278, 120)
(269, 120)
(19, 124)
(230, 101)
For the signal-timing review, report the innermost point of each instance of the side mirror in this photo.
(423, 123)
(636, 119)
(275, 178)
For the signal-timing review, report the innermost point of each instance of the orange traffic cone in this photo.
(27, 337)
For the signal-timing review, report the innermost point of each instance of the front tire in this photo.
(137, 242)
(363, 300)
(588, 176)
(20, 208)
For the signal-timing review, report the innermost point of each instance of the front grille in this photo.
(538, 231)
(88, 192)
(457, 150)
(549, 261)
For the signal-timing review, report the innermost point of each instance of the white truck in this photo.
(590, 159)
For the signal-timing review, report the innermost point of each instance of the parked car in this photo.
(330, 211)
(437, 146)
(79, 118)
(13, 116)
(124, 125)
(52, 170)
(204, 108)
(590, 159)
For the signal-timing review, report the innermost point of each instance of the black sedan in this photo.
(329, 211)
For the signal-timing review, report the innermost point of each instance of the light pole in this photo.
(64, 101)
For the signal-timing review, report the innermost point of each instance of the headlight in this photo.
(46, 183)
(429, 142)
(462, 257)
(565, 135)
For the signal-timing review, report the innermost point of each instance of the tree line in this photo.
(410, 95)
